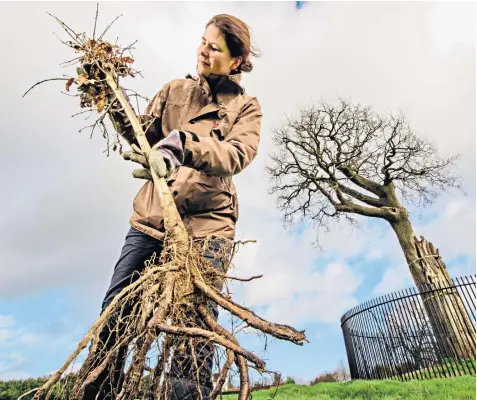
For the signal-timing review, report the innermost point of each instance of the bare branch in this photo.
(95, 20)
(374, 212)
(109, 26)
(71, 33)
(361, 181)
(371, 201)
(45, 80)
(233, 278)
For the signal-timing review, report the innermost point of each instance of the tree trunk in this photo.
(449, 319)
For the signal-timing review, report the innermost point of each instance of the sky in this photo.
(65, 205)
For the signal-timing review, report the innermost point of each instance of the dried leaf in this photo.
(100, 104)
(128, 60)
(69, 83)
(82, 79)
(100, 96)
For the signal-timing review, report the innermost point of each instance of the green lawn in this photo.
(450, 368)
(460, 388)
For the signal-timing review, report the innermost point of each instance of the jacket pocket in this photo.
(211, 194)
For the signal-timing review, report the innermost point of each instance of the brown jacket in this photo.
(227, 123)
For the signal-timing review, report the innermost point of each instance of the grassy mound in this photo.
(460, 388)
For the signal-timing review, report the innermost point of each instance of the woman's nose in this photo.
(203, 51)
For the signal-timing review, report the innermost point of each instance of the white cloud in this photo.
(17, 344)
(30, 339)
(6, 321)
(11, 364)
(453, 231)
(394, 278)
(15, 375)
(12, 336)
(296, 287)
(325, 298)
(4, 334)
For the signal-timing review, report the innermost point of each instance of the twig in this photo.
(95, 20)
(137, 72)
(70, 62)
(105, 134)
(242, 328)
(82, 112)
(243, 279)
(137, 102)
(129, 47)
(69, 94)
(245, 241)
(109, 26)
(46, 80)
(27, 393)
(62, 41)
(68, 30)
(153, 119)
(136, 94)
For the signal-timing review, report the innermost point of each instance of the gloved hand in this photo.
(165, 157)
(136, 155)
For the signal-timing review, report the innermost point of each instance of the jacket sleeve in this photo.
(234, 153)
(151, 120)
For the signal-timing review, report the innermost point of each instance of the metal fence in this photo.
(413, 334)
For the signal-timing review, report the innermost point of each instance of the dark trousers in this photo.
(137, 249)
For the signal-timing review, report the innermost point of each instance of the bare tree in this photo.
(342, 373)
(340, 161)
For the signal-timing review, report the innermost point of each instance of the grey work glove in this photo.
(164, 158)
(136, 155)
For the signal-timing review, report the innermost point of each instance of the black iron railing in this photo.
(414, 333)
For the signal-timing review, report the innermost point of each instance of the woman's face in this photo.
(213, 55)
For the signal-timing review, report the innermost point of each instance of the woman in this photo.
(207, 129)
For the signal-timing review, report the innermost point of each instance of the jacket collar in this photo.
(225, 89)
(225, 84)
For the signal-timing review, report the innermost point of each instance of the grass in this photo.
(459, 388)
(448, 369)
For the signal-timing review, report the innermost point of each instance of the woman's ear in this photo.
(235, 63)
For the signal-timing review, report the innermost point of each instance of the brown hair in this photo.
(237, 36)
